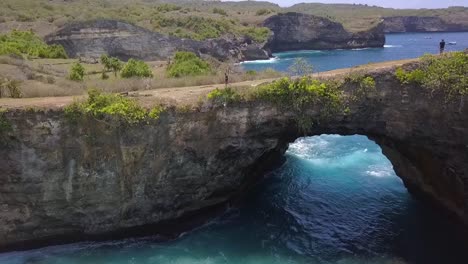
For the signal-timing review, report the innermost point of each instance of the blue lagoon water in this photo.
(398, 46)
(335, 200)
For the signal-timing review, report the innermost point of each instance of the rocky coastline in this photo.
(63, 181)
(296, 31)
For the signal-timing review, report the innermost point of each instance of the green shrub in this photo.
(111, 64)
(187, 64)
(136, 68)
(168, 8)
(302, 94)
(412, 77)
(219, 11)
(263, 12)
(258, 34)
(12, 86)
(77, 72)
(27, 43)
(224, 96)
(104, 105)
(447, 74)
(301, 67)
(251, 72)
(365, 84)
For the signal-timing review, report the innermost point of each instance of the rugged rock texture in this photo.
(420, 24)
(296, 31)
(123, 40)
(61, 179)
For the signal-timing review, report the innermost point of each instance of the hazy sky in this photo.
(385, 3)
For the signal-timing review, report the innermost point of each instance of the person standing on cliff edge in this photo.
(226, 79)
(442, 46)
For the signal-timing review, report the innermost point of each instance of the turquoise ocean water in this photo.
(398, 46)
(335, 200)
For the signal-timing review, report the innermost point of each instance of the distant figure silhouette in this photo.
(442, 46)
(226, 79)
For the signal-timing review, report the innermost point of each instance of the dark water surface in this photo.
(335, 200)
(398, 46)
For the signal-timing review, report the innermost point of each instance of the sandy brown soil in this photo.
(181, 95)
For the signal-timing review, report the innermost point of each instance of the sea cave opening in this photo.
(335, 199)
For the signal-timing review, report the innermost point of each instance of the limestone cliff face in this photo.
(420, 24)
(76, 181)
(296, 31)
(125, 41)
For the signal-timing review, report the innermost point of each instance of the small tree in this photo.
(301, 67)
(136, 68)
(111, 64)
(77, 72)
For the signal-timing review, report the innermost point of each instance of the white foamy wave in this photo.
(361, 49)
(392, 46)
(307, 148)
(380, 171)
(271, 60)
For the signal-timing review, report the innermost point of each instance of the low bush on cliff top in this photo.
(136, 68)
(187, 64)
(27, 43)
(77, 72)
(447, 73)
(224, 96)
(300, 95)
(103, 105)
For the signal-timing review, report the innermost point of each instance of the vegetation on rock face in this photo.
(136, 68)
(5, 127)
(187, 64)
(10, 86)
(77, 72)
(104, 105)
(28, 44)
(302, 94)
(224, 96)
(201, 28)
(447, 73)
(364, 82)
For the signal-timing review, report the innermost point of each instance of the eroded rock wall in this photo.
(61, 179)
(125, 41)
(297, 31)
(421, 24)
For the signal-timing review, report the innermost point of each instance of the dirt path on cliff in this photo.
(179, 95)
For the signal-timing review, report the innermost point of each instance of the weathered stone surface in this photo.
(420, 24)
(125, 41)
(296, 31)
(62, 179)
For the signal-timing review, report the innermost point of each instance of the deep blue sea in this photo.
(398, 46)
(335, 200)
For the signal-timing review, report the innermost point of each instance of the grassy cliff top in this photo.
(193, 18)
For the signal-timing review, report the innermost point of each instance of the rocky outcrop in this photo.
(62, 181)
(296, 31)
(420, 24)
(125, 41)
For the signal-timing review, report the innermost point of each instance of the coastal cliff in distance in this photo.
(125, 41)
(297, 31)
(397, 24)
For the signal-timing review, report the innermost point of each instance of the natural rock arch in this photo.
(75, 181)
